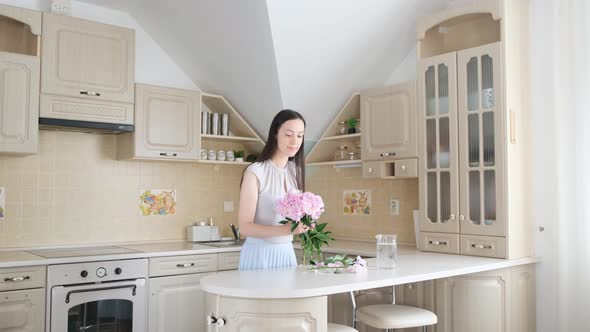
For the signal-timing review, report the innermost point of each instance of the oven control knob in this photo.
(118, 270)
(101, 272)
(84, 274)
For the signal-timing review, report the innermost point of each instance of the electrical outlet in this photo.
(394, 207)
(228, 206)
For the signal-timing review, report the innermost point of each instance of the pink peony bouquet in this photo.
(340, 263)
(297, 207)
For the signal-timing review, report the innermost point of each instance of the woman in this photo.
(279, 169)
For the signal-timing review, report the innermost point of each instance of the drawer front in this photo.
(487, 246)
(228, 261)
(22, 278)
(439, 242)
(165, 266)
(372, 169)
(406, 168)
(78, 109)
(22, 310)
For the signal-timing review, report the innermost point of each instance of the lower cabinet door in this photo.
(268, 315)
(474, 302)
(22, 310)
(177, 303)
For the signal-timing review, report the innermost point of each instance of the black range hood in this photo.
(84, 126)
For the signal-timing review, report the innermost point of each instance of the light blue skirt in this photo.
(259, 254)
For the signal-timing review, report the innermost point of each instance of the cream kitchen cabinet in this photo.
(20, 30)
(177, 303)
(22, 299)
(389, 122)
(226, 314)
(167, 125)
(472, 102)
(499, 300)
(88, 70)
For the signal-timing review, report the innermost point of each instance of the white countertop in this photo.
(21, 257)
(300, 282)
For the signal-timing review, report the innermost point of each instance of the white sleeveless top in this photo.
(274, 183)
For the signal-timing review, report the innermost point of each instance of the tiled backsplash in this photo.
(75, 192)
(330, 184)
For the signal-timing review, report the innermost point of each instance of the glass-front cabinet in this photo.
(461, 122)
(480, 135)
(439, 169)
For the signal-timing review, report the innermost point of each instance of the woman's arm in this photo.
(247, 211)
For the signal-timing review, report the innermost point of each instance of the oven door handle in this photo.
(134, 287)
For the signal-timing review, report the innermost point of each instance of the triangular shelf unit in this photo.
(241, 135)
(323, 153)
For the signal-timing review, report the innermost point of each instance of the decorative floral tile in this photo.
(357, 202)
(157, 202)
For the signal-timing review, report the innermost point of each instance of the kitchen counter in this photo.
(302, 283)
(24, 257)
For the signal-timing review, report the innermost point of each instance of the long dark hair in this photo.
(272, 144)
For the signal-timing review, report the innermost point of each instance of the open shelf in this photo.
(323, 152)
(341, 137)
(241, 135)
(225, 162)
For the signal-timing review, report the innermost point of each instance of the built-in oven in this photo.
(98, 296)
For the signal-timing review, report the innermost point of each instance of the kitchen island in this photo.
(296, 299)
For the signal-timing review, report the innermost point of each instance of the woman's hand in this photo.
(301, 228)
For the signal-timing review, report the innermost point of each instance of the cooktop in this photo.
(79, 252)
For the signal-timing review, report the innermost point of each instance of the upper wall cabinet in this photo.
(88, 70)
(20, 30)
(473, 133)
(389, 122)
(167, 123)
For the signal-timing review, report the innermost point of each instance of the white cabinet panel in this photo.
(19, 103)
(22, 311)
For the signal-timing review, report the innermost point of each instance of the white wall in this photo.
(406, 70)
(152, 64)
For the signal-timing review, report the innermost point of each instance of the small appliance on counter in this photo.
(203, 231)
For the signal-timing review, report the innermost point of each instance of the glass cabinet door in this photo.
(437, 116)
(480, 136)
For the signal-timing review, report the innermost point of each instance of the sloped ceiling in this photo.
(266, 55)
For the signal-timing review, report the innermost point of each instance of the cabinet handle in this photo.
(410, 286)
(481, 246)
(404, 167)
(211, 320)
(17, 279)
(185, 265)
(166, 154)
(451, 216)
(90, 93)
(461, 217)
(370, 170)
(220, 322)
(387, 154)
(438, 243)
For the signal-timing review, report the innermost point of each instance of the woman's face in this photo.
(290, 137)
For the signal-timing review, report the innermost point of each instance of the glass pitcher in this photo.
(386, 251)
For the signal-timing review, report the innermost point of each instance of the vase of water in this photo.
(386, 251)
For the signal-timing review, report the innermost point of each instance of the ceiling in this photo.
(266, 55)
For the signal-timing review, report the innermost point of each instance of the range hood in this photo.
(84, 126)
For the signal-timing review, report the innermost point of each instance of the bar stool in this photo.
(395, 316)
(340, 328)
(392, 316)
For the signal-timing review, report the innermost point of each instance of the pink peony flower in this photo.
(296, 205)
(336, 264)
(354, 268)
